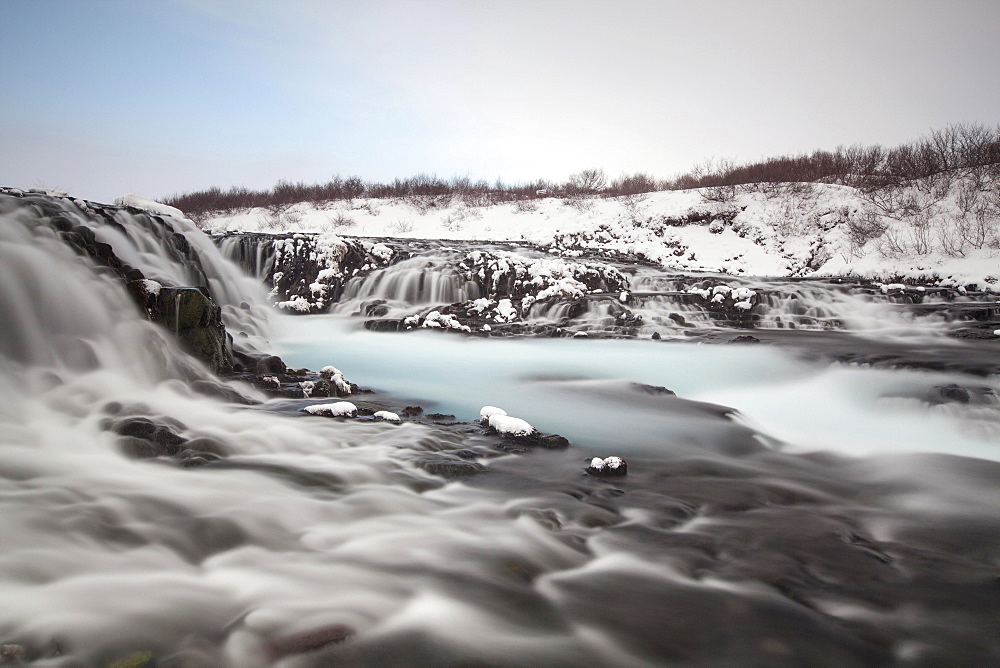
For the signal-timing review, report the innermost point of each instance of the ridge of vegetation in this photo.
(938, 159)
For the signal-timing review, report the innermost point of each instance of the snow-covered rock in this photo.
(609, 466)
(336, 409)
(144, 203)
(506, 425)
(385, 416)
(486, 412)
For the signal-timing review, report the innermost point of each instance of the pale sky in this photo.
(104, 97)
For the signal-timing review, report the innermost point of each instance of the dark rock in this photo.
(412, 411)
(552, 441)
(139, 427)
(744, 338)
(307, 641)
(451, 468)
(655, 390)
(440, 417)
(393, 325)
(143, 438)
(197, 322)
(954, 393)
(656, 336)
(270, 365)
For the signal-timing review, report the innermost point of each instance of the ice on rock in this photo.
(609, 466)
(438, 320)
(486, 412)
(385, 416)
(506, 425)
(505, 311)
(336, 409)
(336, 376)
(297, 303)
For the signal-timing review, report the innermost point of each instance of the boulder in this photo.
(197, 322)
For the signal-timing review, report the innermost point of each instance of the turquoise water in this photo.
(582, 389)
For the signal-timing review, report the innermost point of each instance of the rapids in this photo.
(827, 497)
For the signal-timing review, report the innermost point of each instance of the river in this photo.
(825, 497)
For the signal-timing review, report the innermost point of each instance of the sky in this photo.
(159, 97)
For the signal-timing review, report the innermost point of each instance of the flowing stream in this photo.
(780, 509)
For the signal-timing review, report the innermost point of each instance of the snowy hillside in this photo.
(933, 230)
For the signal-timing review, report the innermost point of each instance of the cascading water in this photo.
(419, 281)
(312, 542)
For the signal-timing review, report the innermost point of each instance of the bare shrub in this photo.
(863, 228)
(586, 182)
(581, 204)
(525, 206)
(340, 221)
(401, 226)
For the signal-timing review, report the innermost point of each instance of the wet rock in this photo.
(744, 338)
(954, 393)
(197, 322)
(451, 468)
(270, 365)
(552, 441)
(654, 390)
(143, 438)
(307, 641)
(412, 411)
(12, 654)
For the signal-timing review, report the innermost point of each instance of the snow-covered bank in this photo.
(925, 232)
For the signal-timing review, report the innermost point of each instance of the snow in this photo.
(505, 311)
(438, 320)
(510, 426)
(336, 376)
(486, 412)
(777, 230)
(297, 303)
(151, 287)
(336, 409)
(152, 206)
(386, 416)
(607, 464)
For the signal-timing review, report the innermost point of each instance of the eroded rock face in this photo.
(307, 272)
(197, 322)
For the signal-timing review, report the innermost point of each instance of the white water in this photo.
(311, 522)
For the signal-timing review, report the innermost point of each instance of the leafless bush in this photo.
(863, 228)
(525, 206)
(340, 221)
(586, 182)
(401, 226)
(581, 204)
